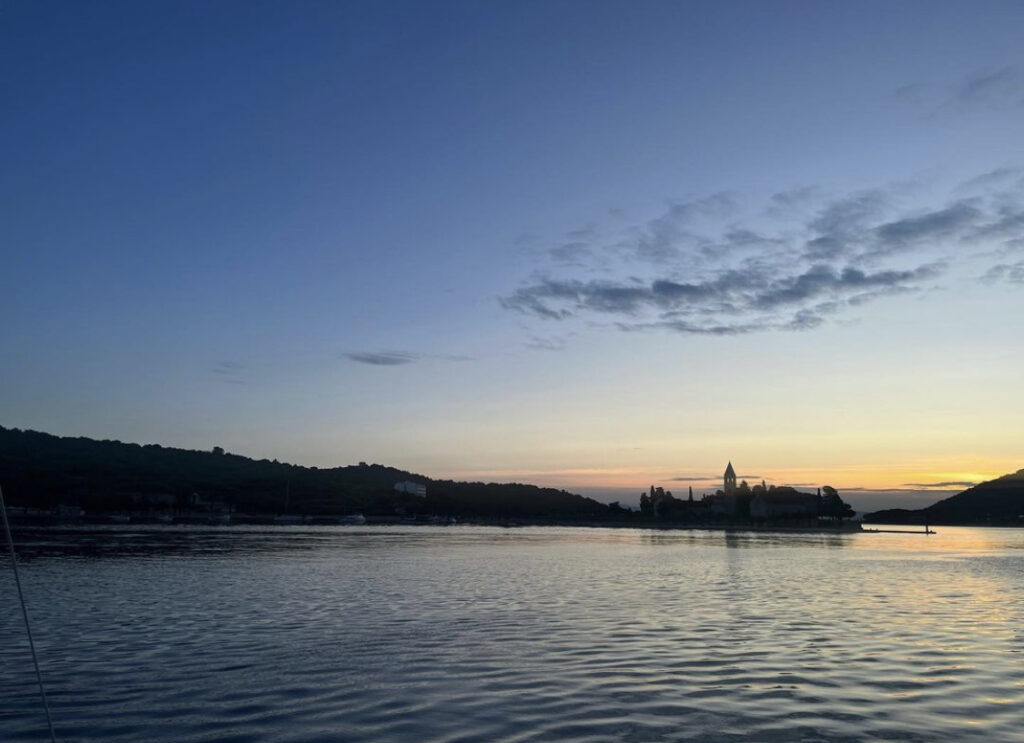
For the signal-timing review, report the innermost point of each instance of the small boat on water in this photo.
(355, 519)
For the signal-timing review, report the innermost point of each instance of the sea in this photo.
(465, 633)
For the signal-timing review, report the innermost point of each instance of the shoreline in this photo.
(245, 520)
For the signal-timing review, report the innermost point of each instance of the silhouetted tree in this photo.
(833, 507)
(743, 501)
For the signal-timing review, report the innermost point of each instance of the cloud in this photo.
(946, 484)
(989, 87)
(852, 229)
(793, 198)
(385, 358)
(661, 238)
(230, 372)
(1007, 226)
(695, 479)
(932, 225)
(700, 307)
(996, 177)
(399, 358)
(822, 279)
(708, 266)
(1011, 272)
(571, 252)
(545, 344)
(849, 215)
(914, 92)
(543, 297)
(691, 328)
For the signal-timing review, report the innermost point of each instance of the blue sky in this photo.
(596, 245)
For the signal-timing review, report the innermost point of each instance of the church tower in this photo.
(730, 480)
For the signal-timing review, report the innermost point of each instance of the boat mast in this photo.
(24, 614)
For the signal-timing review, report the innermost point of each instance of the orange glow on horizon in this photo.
(866, 477)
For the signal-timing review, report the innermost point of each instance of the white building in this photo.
(414, 488)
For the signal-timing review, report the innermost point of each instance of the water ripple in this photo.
(471, 634)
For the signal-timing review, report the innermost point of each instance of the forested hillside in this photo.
(999, 501)
(39, 470)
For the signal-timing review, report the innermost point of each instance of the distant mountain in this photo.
(39, 470)
(999, 501)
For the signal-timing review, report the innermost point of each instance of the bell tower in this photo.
(730, 480)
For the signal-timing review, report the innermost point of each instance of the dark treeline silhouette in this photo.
(70, 478)
(42, 471)
(998, 502)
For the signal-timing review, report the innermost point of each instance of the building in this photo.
(729, 487)
(785, 505)
(725, 503)
(763, 504)
(413, 488)
(738, 504)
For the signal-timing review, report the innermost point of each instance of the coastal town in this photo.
(760, 505)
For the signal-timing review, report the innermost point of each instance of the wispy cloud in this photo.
(793, 198)
(999, 88)
(539, 343)
(931, 225)
(1011, 272)
(998, 178)
(945, 484)
(712, 478)
(398, 358)
(708, 267)
(913, 92)
(383, 358)
(230, 372)
(990, 86)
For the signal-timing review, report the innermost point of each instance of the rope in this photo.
(24, 613)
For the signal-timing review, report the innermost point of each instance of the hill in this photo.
(39, 470)
(997, 502)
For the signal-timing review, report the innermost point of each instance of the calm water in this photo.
(479, 634)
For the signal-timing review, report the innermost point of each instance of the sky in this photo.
(595, 245)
